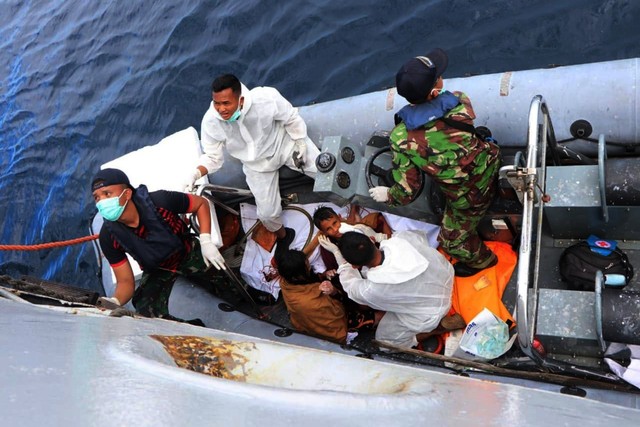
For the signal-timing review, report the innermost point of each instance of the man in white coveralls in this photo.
(406, 277)
(265, 132)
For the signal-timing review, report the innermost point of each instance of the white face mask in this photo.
(437, 92)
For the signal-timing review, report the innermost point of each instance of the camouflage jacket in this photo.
(458, 161)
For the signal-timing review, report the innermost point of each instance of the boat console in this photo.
(347, 170)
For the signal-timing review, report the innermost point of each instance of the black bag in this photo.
(578, 266)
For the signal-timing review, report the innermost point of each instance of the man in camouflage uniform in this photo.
(462, 164)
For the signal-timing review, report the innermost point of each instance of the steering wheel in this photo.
(385, 176)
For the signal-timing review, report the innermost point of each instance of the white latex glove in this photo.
(328, 244)
(369, 232)
(194, 177)
(344, 228)
(300, 153)
(329, 274)
(210, 252)
(379, 237)
(327, 288)
(112, 300)
(379, 194)
(331, 247)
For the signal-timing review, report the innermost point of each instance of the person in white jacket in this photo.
(265, 132)
(406, 277)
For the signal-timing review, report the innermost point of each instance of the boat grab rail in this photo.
(534, 178)
(599, 284)
(539, 136)
(602, 156)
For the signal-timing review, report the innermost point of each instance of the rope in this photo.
(49, 245)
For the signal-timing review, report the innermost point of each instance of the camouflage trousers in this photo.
(151, 298)
(458, 232)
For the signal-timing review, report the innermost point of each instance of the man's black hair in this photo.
(323, 213)
(356, 248)
(292, 266)
(226, 81)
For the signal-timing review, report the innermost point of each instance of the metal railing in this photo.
(533, 176)
(532, 179)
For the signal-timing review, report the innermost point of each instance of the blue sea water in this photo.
(84, 82)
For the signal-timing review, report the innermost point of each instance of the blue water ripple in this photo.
(82, 83)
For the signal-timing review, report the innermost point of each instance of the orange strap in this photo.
(49, 245)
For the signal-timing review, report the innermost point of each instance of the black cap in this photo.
(418, 76)
(107, 177)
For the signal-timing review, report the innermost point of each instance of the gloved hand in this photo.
(345, 228)
(327, 288)
(331, 247)
(300, 153)
(379, 237)
(379, 194)
(106, 302)
(328, 244)
(210, 252)
(196, 176)
(369, 232)
(329, 274)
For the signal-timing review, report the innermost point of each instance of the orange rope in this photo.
(48, 245)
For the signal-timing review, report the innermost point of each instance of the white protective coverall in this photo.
(263, 139)
(413, 285)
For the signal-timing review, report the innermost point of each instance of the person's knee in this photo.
(269, 213)
(272, 223)
(400, 338)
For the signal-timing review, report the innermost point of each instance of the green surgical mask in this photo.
(110, 208)
(234, 116)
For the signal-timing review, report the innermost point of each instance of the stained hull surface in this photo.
(65, 367)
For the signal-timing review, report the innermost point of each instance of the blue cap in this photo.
(418, 76)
